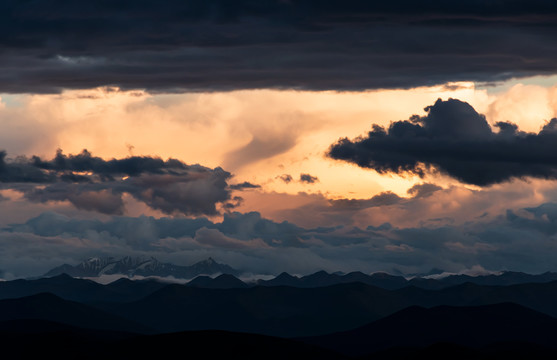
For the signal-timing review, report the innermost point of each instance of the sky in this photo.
(280, 135)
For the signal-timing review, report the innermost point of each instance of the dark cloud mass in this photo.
(92, 183)
(304, 44)
(144, 232)
(454, 139)
(245, 185)
(287, 178)
(308, 179)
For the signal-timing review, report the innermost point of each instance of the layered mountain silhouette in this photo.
(151, 267)
(322, 278)
(393, 282)
(140, 266)
(333, 321)
(81, 290)
(226, 303)
(48, 307)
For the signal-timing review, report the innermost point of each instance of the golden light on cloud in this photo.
(258, 135)
(528, 106)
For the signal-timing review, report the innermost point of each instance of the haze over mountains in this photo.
(209, 269)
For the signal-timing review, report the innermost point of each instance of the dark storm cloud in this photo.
(86, 197)
(303, 44)
(21, 170)
(454, 139)
(131, 166)
(92, 183)
(308, 179)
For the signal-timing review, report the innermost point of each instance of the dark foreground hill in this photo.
(477, 327)
(28, 339)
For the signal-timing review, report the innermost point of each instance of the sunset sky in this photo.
(277, 135)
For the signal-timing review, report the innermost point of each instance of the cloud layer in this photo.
(305, 44)
(455, 140)
(92, 183)
(522, 239)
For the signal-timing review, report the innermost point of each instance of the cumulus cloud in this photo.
(92, 183)
(455, 140)
(212, 45)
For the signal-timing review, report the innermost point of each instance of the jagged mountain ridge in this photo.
(140, 266)
(393, 282)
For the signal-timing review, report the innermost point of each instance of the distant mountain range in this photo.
(224, 281)
(140, 266)
(392, 282)
(151, 267)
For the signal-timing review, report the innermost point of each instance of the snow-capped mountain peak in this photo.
(142, 266)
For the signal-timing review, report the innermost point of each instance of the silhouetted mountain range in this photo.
(151, 267)
(81, 290)
(352, 318)
(49, 307)
(322, 278)
(224, 281)
(275, 310)
(140, 266)
(393, 282)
